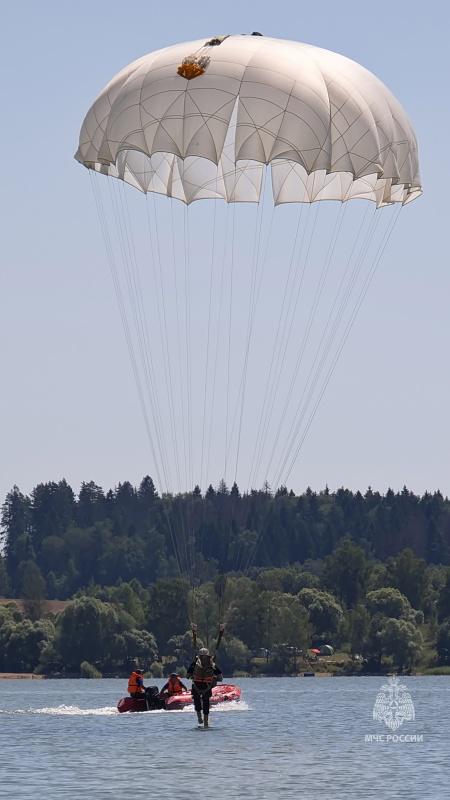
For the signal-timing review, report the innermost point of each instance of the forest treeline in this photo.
(366, 573)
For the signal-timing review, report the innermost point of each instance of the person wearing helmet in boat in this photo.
(205, 675)
(173, 686)
(136, 686)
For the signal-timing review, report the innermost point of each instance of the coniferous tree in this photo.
(15, 522)
(91, 504)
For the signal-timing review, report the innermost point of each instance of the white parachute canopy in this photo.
(235, 315)
(328, 127)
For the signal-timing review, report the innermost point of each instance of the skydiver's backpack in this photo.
(203, 669)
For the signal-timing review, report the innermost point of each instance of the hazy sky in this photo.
(68, 401)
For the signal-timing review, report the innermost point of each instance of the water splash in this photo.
(232, 705)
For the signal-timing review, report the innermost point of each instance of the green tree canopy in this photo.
(389, 603)
(324, 612)
(347, 572)
(402, 641)
(410, 576)
(443, 644)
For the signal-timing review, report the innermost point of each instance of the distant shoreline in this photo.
(30, 676)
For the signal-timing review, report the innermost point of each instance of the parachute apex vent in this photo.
(216, 40)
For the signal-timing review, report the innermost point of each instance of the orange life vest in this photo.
(133, 685)
(174, 686)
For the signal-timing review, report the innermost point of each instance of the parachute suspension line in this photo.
(362, 252)
(180, 358)
(156, 403)
(177, 546)
(273, 375)
(123, 314)
(348, 289)
(320, 354)
(216, 361)
(208, 340)
(368, 280)
(162, 315)
(155, 293)
(187, 332)
(290, 316)
(229, 324)
(286, 335)
(243, 559)
(280, 358)
(254, 286)
(283, 348)
(254, 296)
(230, 320)
(219, 321)
(139, 314)
(276, 364)
(189, 428)
(306, 336)
(302, 410)
(187, 532)
(221, 586)
(180, 535)
(169, 518)
(129, 338)
(240, 393)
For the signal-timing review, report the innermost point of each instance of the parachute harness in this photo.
(195, 64)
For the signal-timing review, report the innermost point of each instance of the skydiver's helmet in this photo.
(203, 651)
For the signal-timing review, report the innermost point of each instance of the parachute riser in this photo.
(219, 638)
(194, 637)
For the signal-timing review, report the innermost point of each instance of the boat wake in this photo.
(74, 711)
(65, 711)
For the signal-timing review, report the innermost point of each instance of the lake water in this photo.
(287, 738)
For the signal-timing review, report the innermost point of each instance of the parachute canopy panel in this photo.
(328, 128)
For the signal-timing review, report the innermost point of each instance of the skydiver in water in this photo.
(205, 675)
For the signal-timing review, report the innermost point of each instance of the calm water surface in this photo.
(288, 738)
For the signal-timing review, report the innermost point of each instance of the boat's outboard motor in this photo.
(154, 701)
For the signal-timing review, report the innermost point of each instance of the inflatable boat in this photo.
(220, 694)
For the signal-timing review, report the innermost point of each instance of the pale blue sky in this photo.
(68, 403)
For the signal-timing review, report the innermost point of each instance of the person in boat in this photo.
(136, 688)
(205, 675)
(173, 686)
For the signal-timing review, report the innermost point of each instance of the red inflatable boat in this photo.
(220, 694)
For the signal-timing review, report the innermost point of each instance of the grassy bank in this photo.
(16, 675)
